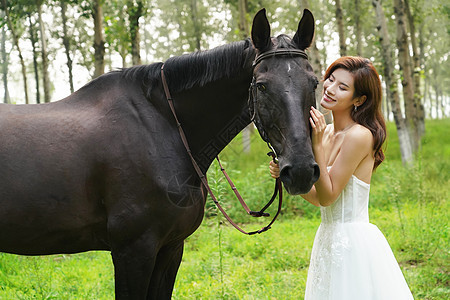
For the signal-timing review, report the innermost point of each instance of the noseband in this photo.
(252, 97)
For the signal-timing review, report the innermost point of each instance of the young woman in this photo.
(350, 259)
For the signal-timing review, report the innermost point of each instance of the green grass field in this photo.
(410, 206)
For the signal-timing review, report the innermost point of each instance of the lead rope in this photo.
(278, 185)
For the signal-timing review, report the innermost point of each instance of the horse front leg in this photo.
(133, 267)
(165, 271)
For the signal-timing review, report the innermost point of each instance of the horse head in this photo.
(281, 96)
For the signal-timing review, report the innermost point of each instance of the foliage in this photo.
(175, 27)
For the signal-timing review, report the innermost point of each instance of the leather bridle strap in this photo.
(280, 52)
(278, 185)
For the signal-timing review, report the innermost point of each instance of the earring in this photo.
(355, 109)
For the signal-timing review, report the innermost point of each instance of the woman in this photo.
(351, 258)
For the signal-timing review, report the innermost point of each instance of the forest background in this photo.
(51, 48)
(48, 49)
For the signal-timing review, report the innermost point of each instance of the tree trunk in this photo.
(135, 11)
(99, 39)
(243, 24)
(33, 39)
(427, 99)
(436, 100)
(4, 62)
(404, 60)
(66, 43)
(244, 30)
(341, 30)
(16, 43)
(358, 29)
(45, 77)
(391, 85)
(420, 111)
(195, 21)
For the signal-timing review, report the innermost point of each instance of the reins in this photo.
(278, 185)
(202, 176)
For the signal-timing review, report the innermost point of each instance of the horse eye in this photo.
(316, 82)
(261, 87)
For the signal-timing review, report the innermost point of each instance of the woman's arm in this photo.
(356, 146)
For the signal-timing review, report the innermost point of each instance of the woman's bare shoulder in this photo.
(360, 137)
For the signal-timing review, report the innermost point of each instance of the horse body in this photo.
(105, 168)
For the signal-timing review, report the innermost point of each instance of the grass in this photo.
(410, 206)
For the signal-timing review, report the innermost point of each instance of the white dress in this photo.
(351, 259)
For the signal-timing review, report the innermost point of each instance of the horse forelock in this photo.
(283, 42)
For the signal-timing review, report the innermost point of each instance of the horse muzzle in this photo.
(299, 179)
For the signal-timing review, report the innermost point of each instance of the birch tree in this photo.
(391, 84)
(44, 56)
(357, 12)
(4, 56)
(341, 28)
(404, 60)
(66, 42)
(34, 41)
(416, 67)
(15, 38)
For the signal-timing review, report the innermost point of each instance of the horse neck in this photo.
(213, 115)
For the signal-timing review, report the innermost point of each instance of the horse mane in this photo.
(194, 69)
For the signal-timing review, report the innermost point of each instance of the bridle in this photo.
(252, 97)
(254, 118)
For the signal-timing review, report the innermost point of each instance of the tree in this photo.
(341, 29)
(45, 65)
(357, 12)
(391, 84)
(135, 10)
(34, 41)
(404, 60)
(183, 26)
(244, 30)
(416, 67)
(66, 43)
(99, 39)
(4, 60)
(116, 30)
(15, 37)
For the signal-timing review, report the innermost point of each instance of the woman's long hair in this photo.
(367, 83)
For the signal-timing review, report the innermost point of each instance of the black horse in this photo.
(105, 168)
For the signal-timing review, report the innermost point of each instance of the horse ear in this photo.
(261, 31)
(305, 32)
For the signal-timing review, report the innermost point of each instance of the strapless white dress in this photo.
(351, 259)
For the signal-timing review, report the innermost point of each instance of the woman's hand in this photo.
(318, 125)
(274, 169)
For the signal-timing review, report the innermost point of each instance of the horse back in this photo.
(75, 168)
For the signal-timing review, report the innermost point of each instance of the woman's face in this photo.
(338, 91)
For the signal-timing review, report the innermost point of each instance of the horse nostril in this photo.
(316, 172)
(285, 175)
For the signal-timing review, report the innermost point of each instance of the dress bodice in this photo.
(352, 205)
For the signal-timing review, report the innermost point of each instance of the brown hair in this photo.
(367, 83)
